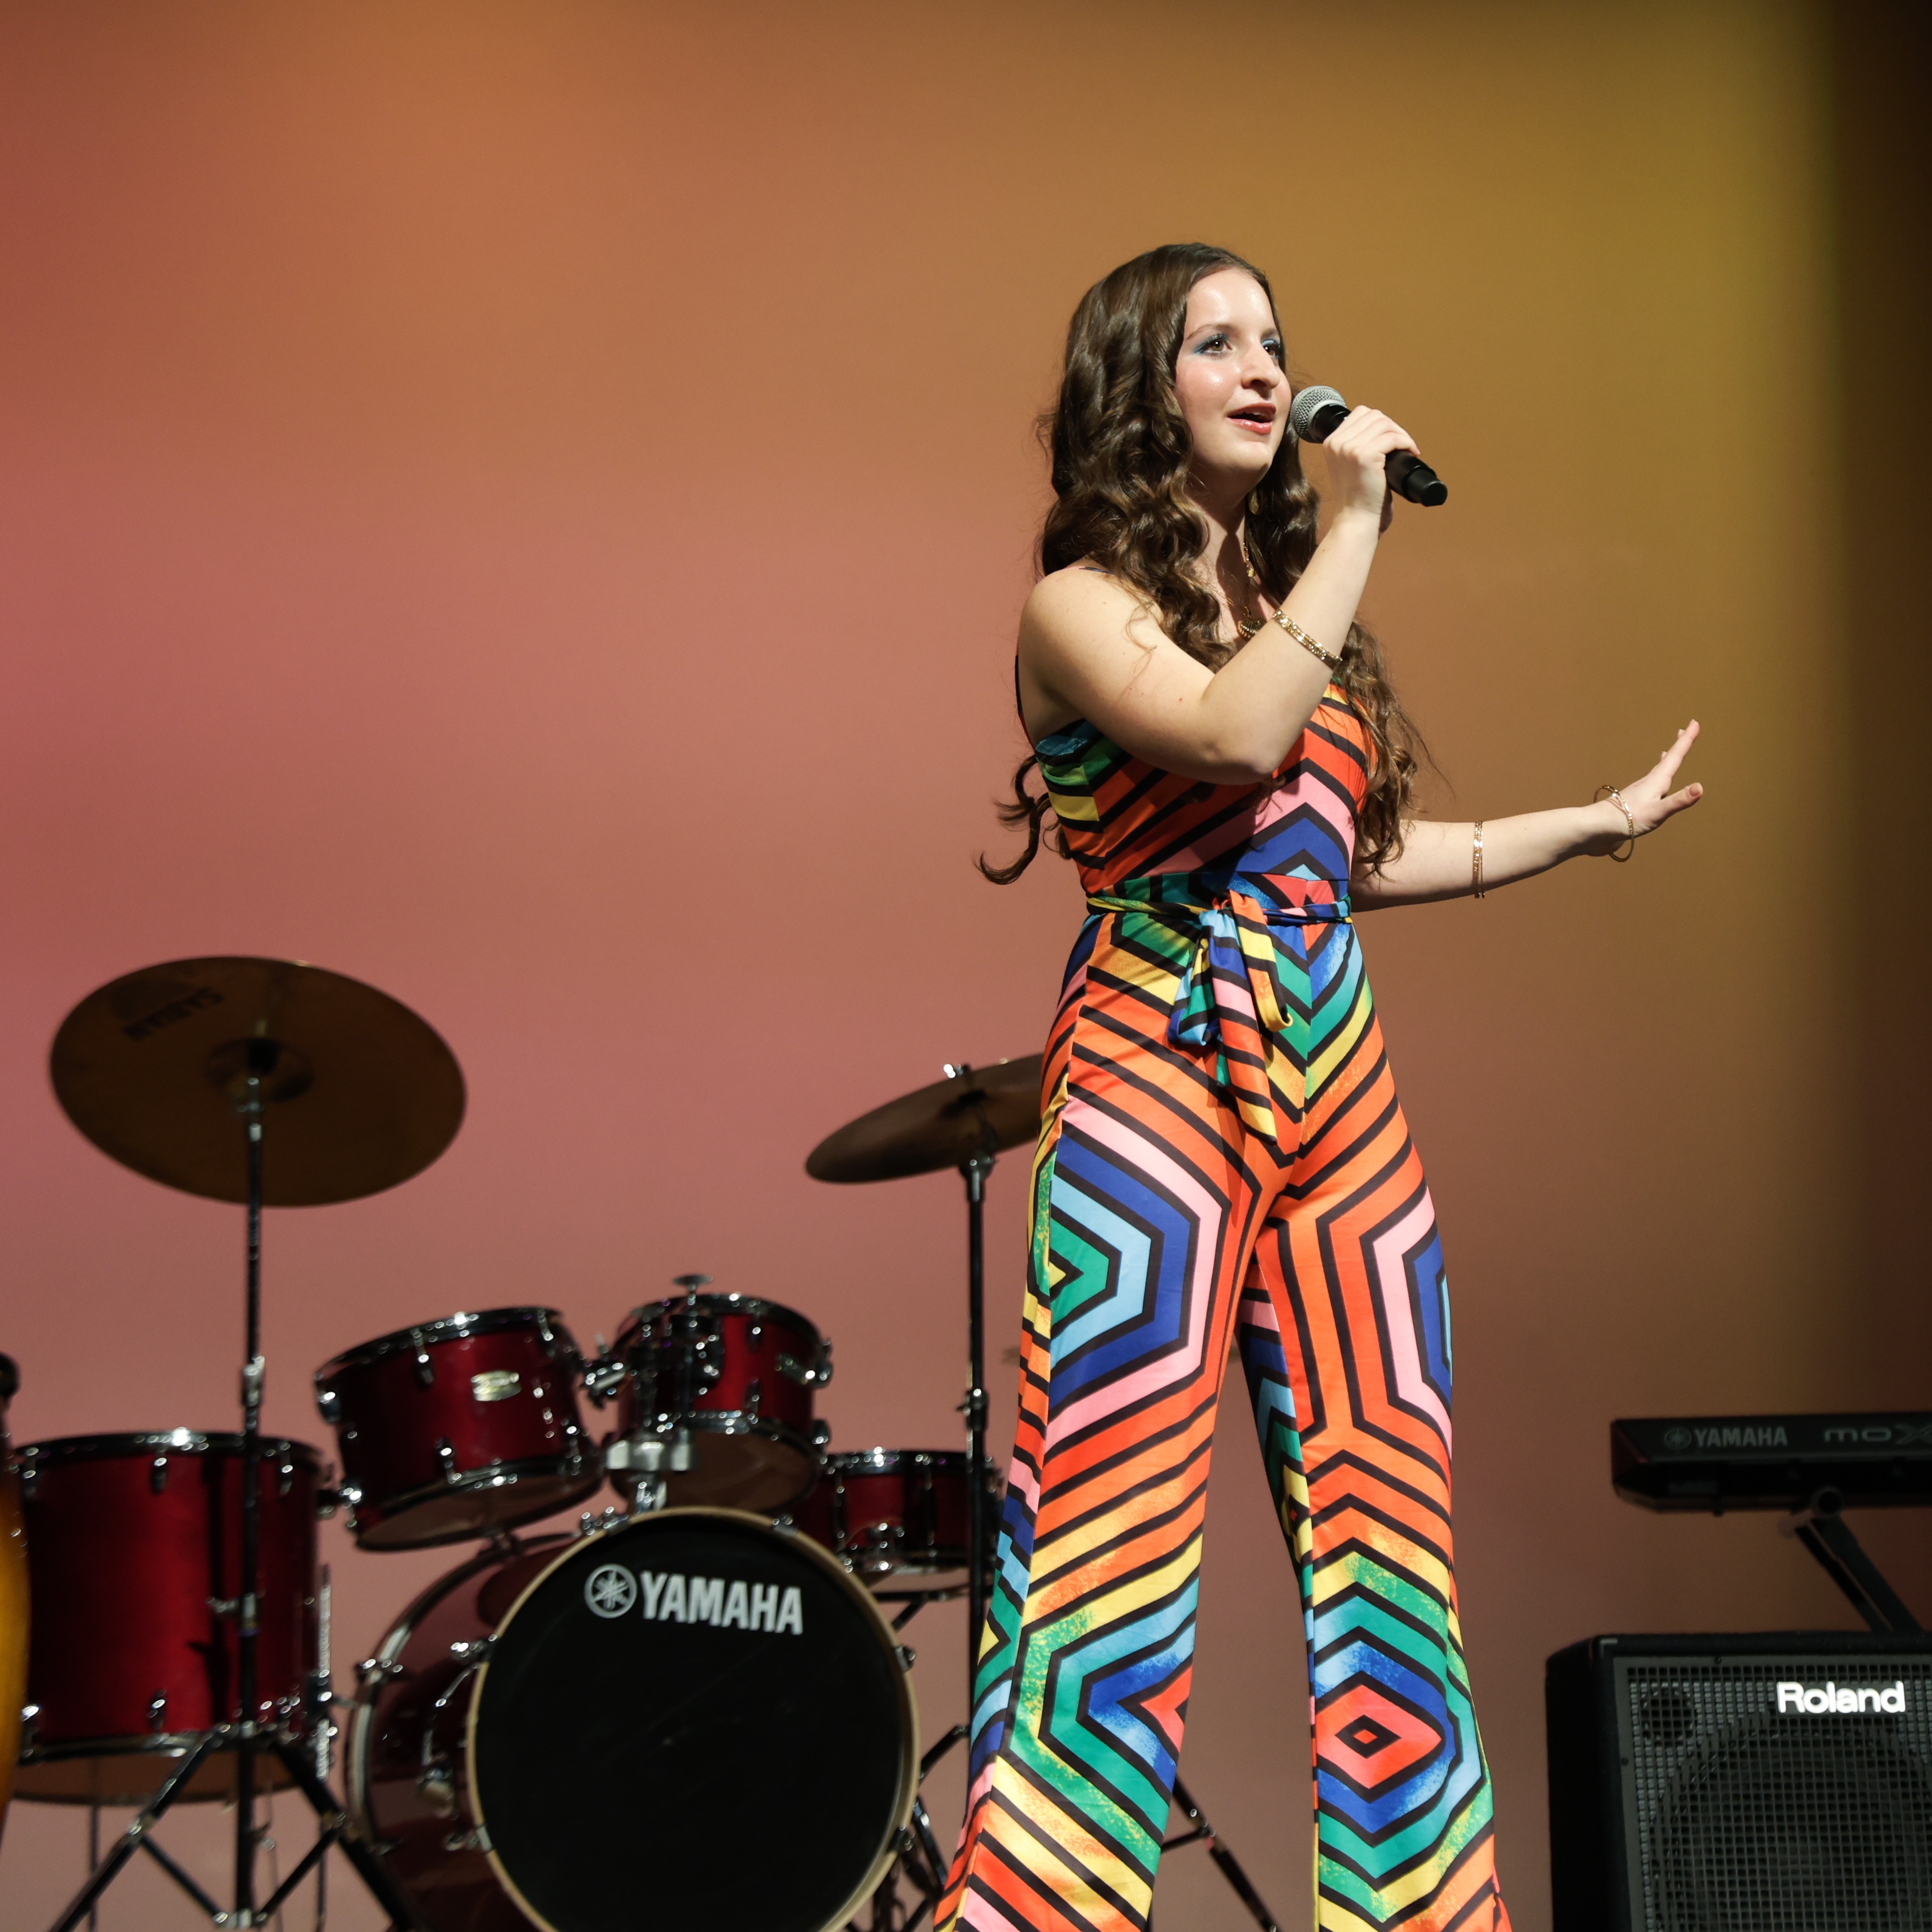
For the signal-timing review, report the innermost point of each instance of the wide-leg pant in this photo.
(1162, 1230)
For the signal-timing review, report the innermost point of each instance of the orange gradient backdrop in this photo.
(526, 504)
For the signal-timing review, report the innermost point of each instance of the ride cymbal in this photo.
(940, 1126)
(359, 1093)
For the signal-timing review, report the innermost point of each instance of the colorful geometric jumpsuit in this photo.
(1222, 1155)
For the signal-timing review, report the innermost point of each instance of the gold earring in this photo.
(1254, 502)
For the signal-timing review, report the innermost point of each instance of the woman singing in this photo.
(1223, 1154)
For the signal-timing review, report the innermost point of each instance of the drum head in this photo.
(693, 1719)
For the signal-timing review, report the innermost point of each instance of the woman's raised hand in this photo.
(1651, 800)
(1357, 453)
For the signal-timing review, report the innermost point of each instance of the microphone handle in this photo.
(1408, 475)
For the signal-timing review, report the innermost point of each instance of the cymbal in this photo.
(359, 1093)
(937, 1127)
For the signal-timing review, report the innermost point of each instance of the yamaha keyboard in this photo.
(1719, 1462)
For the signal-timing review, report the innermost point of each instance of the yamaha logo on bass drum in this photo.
(724, 1603)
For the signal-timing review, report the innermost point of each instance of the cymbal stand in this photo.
(974, 1169)
(247, 1737)
(1202, 1833)
(261, 1057)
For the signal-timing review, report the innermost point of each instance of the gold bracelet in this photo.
(1616, 798)
(1476, 889)
(1306, 642)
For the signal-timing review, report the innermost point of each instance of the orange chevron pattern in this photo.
(1223, 1159)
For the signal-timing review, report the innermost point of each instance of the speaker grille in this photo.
(1749, 1820)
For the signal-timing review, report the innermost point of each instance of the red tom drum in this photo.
(731, 1377)
(892, 1513)
(135, 1545)
(457, 1427)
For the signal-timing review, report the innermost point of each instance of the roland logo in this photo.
(1839, 1699)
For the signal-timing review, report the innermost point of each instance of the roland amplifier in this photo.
(1777, 1782)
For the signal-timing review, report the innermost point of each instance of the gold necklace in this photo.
(1251, 624)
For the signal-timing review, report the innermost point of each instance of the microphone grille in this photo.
(1308, 404)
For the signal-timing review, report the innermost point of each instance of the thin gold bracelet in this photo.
(1616, 798)
(1476, 888)
(1306, 642)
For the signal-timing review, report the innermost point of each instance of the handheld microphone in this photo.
(1317, 413)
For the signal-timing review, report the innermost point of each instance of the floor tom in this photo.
(136, 1565)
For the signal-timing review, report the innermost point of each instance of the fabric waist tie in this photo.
(1229, 1000)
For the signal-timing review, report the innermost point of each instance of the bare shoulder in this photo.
(1073, 604)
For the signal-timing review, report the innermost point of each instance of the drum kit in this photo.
(705, 1673)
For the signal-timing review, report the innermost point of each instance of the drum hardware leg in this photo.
(920, 1860)
(310, 1860)
(334, 1821)
(957, 1735)
(93, 1859)
(930, 1883)
(1202, 1833)
(106, 1869)
(888, 1915)
(928, 1846)
(184, 1879)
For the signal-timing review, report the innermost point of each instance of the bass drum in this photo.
(12, 1596)
(689, 1719)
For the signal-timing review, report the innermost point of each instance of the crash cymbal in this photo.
(939, 1125)
(360, 1093)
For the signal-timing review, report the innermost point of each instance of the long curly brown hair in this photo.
(1121, 453)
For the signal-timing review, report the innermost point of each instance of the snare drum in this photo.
(136, 1562)
(892, 1512)
(458, 1427)
(737, 1374)
(690, 1719)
